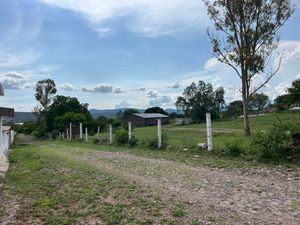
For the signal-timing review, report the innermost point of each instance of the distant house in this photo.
(184, 121)
(147, 119)
(6, 135)
(295, 109)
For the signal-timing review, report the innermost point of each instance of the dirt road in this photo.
(256, 196)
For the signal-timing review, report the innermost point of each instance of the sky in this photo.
(122, 53)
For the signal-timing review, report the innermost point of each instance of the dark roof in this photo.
(7, 112)
(151, 115)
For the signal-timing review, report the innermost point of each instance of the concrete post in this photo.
(1, 141)
(80, 131)
(98, 133)
(209, 132)
(129, 131)
(86, 134)
(159, 133)
(67, 134)
(110, 135)
(70, 132)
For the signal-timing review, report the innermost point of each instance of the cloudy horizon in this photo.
(110, 55)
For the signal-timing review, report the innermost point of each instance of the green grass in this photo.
(53, 187)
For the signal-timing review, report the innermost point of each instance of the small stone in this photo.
(196, 156)
(185, 149)
(202, 146)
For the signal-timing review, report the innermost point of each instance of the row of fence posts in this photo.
(159, 132)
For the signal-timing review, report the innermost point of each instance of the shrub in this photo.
(121, 137)
(54, 134)
(133, 141)
(151, 142)
(274, 144)
(233, 149)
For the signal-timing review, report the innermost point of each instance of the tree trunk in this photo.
(247, 130)
(245, 93)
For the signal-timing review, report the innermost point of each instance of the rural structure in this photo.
(184, 121)
(6, 135)
(147, 119)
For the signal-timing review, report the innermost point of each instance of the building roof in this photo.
(8, 112)
(151, 115)
(1, 90)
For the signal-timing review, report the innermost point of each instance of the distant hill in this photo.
(111, 113)
(21, 117)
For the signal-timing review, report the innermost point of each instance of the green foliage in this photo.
(283, 102)
(126, 113)
(27, 128)
(62, 105)
(60, 122)
(245, 35)
(257, 102)
(133, 141)
(233, 149)
(156, 110)
(235, 109)
(121, 137)
(178, 211)
(274, 144)
(294, 92)
(152, 141)
(45, 90)
(102, 122)
(55, 134)
(116, 123)
(200, 98)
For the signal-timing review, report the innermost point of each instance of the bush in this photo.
(233, 149)
(54, 134)
(121, 137)
(152, 142)
(133, 141)
(274, 144)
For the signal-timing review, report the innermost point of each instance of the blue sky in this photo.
(126, 53)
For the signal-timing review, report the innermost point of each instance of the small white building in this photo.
(184, 121)
(6, 134)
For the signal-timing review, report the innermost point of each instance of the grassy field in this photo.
(224, 132)
(52, 187)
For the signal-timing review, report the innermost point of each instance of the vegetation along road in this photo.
(55, 182)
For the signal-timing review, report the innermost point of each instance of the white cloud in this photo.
(102, 88)
(151, 18)
(14, 60)
(152, 93)
(161, 101)
(15, 80)
(67, 87)
(123, 104)
(139, 89)
(175, 85)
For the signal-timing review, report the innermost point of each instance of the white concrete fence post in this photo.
(129, 131)
(110, 135)
(86, 134)
(209, 132)
(67, 134)
(159, 133)
(70, 131)
(1, 140)
(98, 133)
(80, 131)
